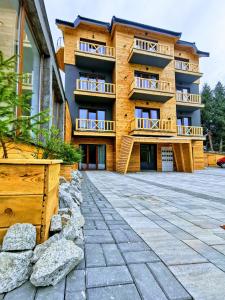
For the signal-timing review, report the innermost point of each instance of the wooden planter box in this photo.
(66, 170)
(28, 193)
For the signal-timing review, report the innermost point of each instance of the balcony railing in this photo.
(151, 84)
(95, 125)
(152, 124)
(189, 130)
(152, 47)
(186, 66)
(96, 49)
(27, 80)
(96, 87)
(188, 98)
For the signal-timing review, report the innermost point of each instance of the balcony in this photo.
(188, 102)
(94, 90)
(151, 89)
(161, 127)
(186, 72)
(95, 56)
(89, 127)
(150, 53)
(27, 81)
(192, 131)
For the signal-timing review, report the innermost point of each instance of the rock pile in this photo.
(47, 263)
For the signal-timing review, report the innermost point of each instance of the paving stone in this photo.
(140, 257)
(146, 283)
(170, 285)
(112, 255)
(132, 236)
(115, 226)
(120, 236)
(75, 281)
(100, 225)
(81, 295)
(105, 276)
(114, 222)
(131, 247)
(203, 281)
(51, 292)
(208, 252)
(118, 292)
(94, 256)
(26, 291)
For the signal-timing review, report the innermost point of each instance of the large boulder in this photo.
(56, 262)
(15, 269)
(19, 237)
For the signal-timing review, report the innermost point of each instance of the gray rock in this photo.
(15, 269)
(56, 223)
(70, 231)
(78, 220)
(62, 180)
(20, 237)
(40, 249)
(56, 262)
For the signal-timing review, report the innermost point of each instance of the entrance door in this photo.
(167, 159)
(148, 157)
(93, 158)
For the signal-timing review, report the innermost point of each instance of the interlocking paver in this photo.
(140, 257)
(127, 247)
(112, 255)
(146, 283)
(105, 276)
(118, 292)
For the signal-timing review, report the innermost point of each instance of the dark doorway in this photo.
(148, 154)
(94, 157)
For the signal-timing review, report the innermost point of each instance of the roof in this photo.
(193, 46)
(115, 20)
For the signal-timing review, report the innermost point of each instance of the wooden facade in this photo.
(132, 54)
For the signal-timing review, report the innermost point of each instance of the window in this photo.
(91, 119)
(147, 118)
(184, 121)
(92, 82)
(31, 69)
(92, 46)
(147, 45)
(181, 63)
(9, 15)
(146, 80)
(182, 93)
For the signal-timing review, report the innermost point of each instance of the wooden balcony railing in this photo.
(95, 125)
(189, 130)
(152, 47)
(152, 124)
(188, 98)
(151, 84)
(186, 66)
(96, 49)
(95, 86)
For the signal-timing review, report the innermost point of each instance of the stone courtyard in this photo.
(147, 236)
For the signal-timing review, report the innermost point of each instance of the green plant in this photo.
(53, 147)
(13, 126)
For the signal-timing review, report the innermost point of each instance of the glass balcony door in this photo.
(94, 157)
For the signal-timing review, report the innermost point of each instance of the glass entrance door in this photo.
(148, 157)
(94, 157)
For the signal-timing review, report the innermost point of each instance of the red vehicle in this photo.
(221, 162)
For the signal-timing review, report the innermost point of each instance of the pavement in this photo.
(149, 236)
(178, 216)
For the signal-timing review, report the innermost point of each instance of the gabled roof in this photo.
(115, 20)
(193, 46)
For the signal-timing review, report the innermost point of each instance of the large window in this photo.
(9, 15)
(31, 69)
(91, 119)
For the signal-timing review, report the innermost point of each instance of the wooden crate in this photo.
(65, 170)
(28, 193)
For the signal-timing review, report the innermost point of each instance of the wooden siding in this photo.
(210, 159)
(67, 125)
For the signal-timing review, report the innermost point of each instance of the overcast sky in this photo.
(200, 21)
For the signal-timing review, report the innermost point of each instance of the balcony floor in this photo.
(93, 96)
(151, 95)
(94, 133)
(186, 76)
(91, 60)
(142, 57)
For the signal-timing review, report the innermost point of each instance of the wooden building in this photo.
(133, 94)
